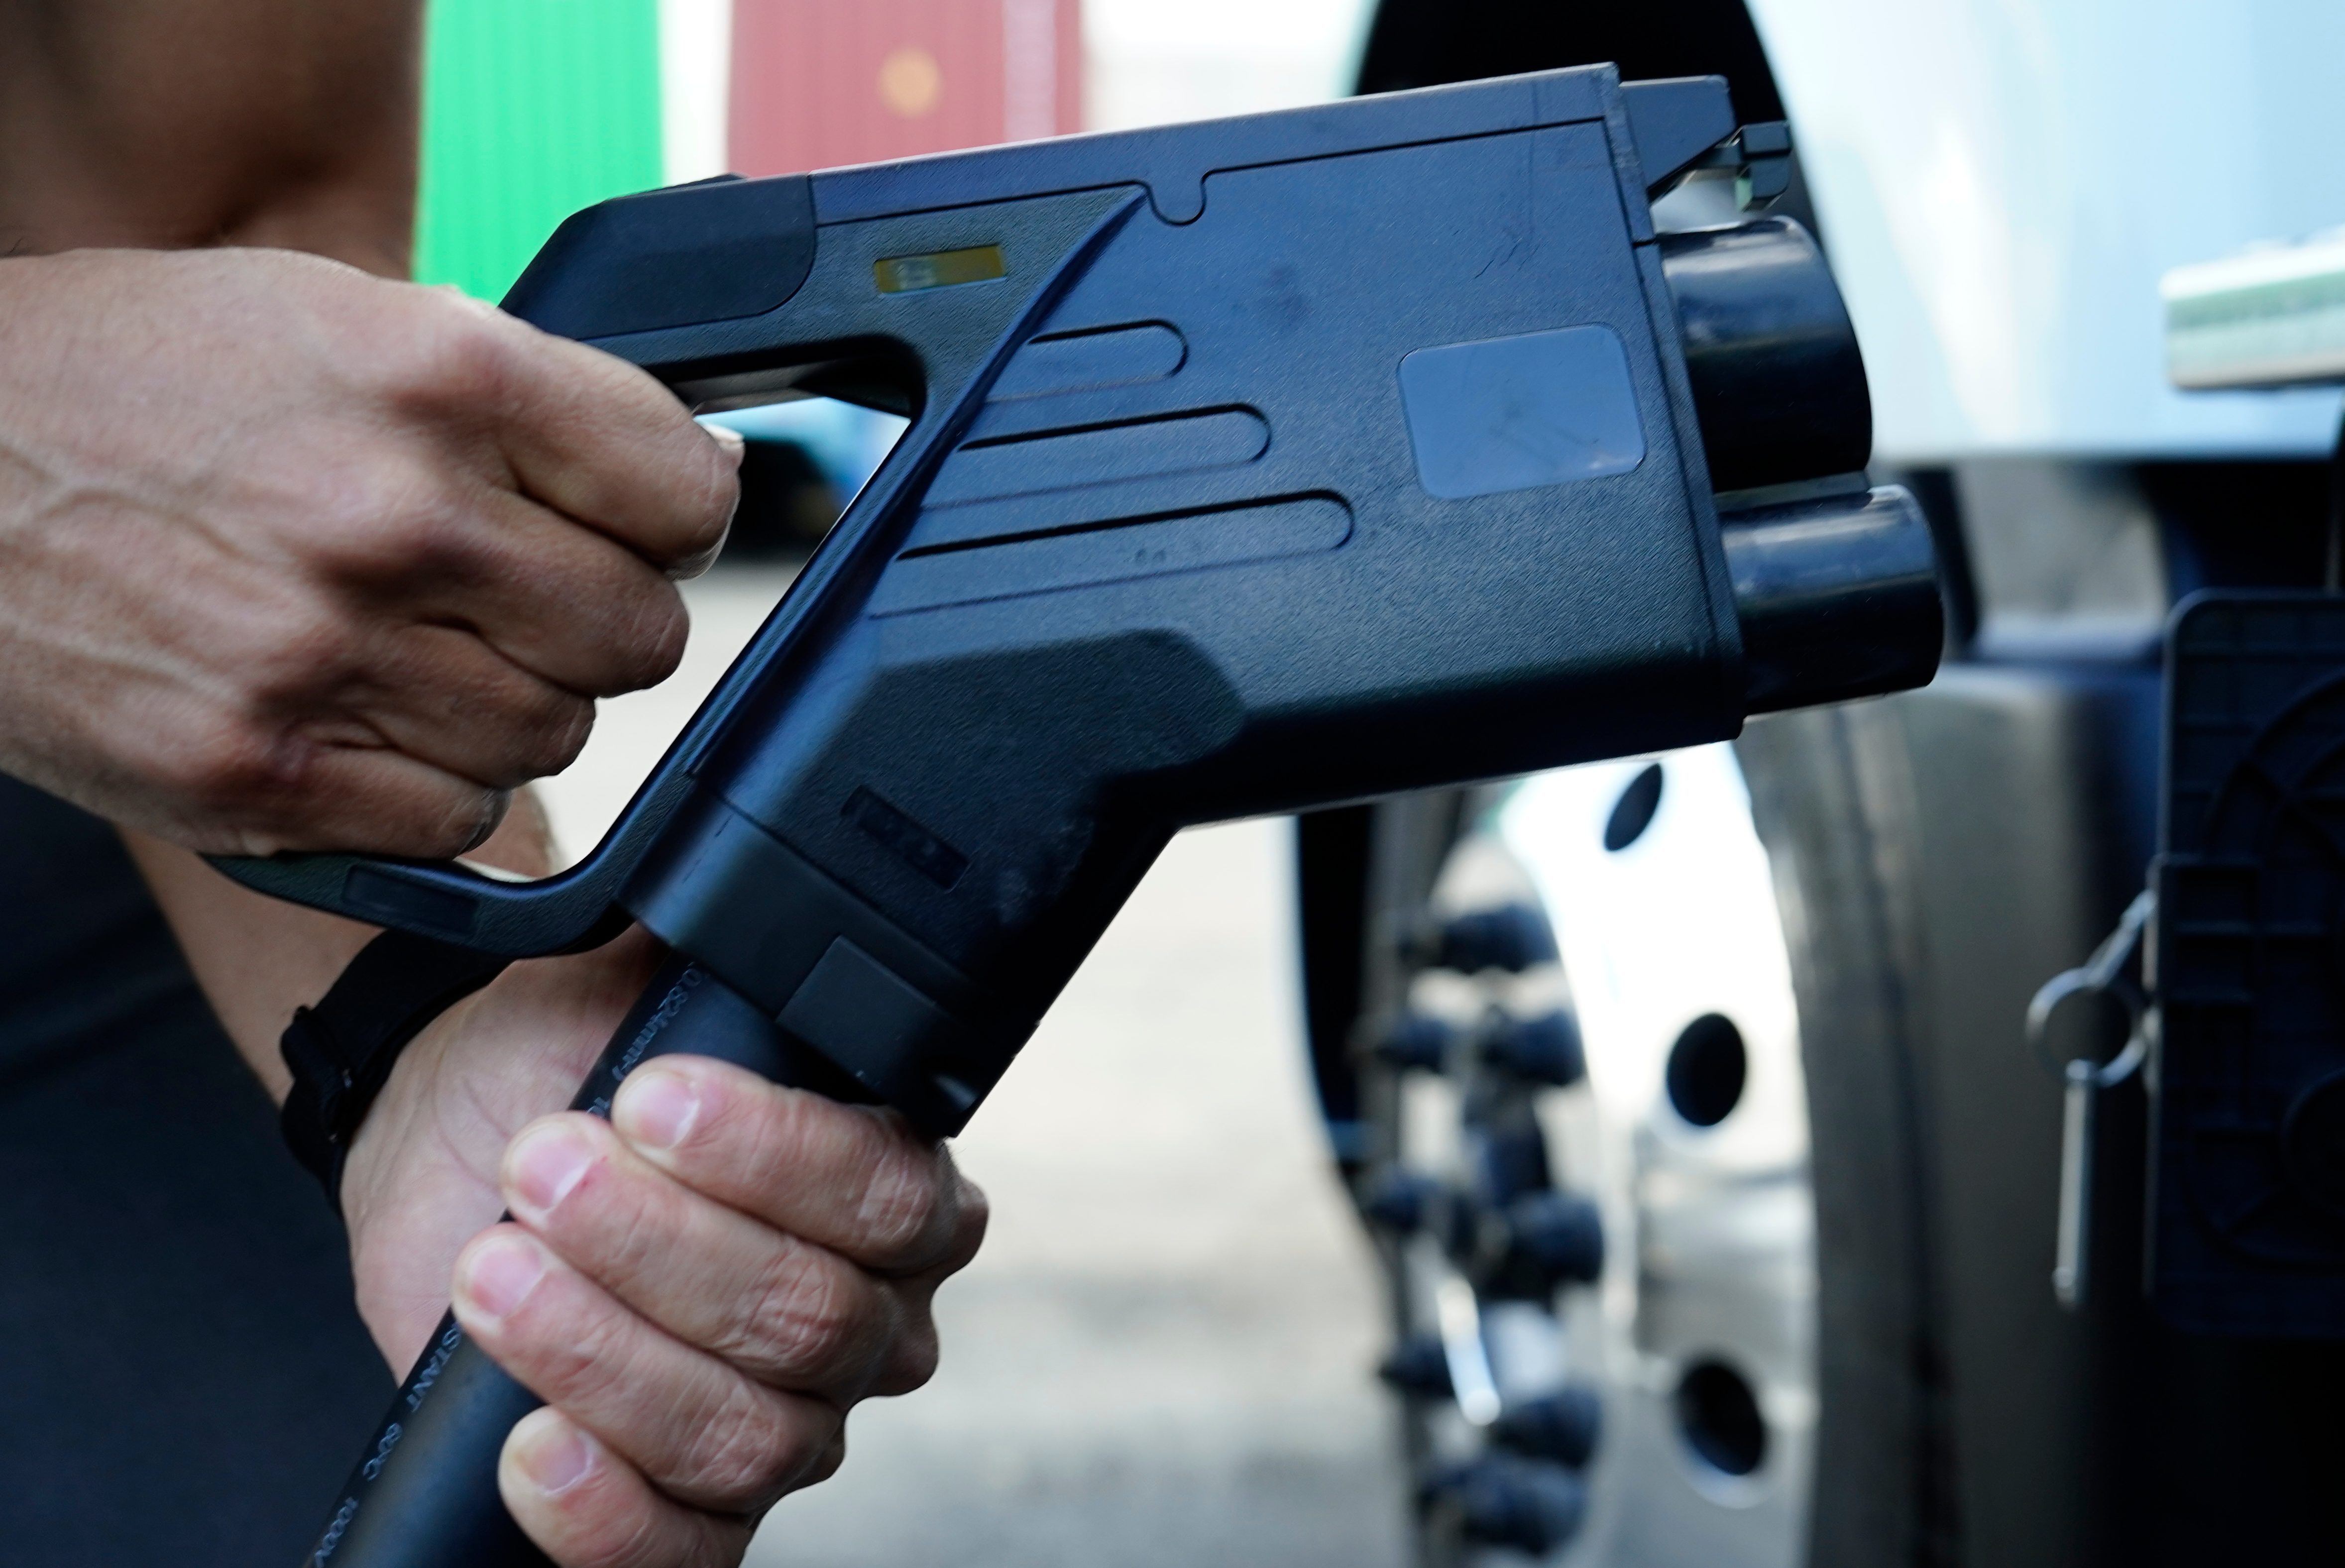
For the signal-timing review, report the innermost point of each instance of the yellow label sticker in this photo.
(940, 269)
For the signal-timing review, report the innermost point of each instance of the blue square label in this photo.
(1519, 413)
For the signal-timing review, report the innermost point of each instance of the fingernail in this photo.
(502, 1274)
(495, 804)
(555, 1458)
(656, 1109)
(545, 1165)
(731, 439)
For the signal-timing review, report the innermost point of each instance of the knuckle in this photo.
(231, 760)
(902, 1201)
(715, 1541)
(436, 822)
(746, 1455)
(549, 736)
(827, 1463)
(971, 1212)
(973, 1217)
(402, 523)
(268, 661)
(573, 724)
(467, 356)
(767, 1135)
(656, 637)
(917, 1354)
(626, 1237)
(316, 642)
(581, 1355)
(472, 819)
(807, 1322)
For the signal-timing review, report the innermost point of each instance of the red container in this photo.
(820, 83)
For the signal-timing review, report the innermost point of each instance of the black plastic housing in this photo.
(1253, 465)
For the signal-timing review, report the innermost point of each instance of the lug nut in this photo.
(1503, 1500)
(1407, 1201)
(1545, 1050)
(1540, 1243)
(1399, 1199)
(1508, 1156)
(1562, 1427)
(1417, 1366)
(1416, 1042)
(1511, 937)
(1562, 1233)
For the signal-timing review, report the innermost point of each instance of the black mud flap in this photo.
(2248, 1181)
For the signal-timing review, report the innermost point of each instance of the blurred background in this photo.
(1165, 1353)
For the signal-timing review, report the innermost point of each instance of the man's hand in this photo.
(700, 1288)
(298, 558)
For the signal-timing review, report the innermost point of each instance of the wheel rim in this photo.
(1690, 1133)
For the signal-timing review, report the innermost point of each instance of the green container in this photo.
(531, 110)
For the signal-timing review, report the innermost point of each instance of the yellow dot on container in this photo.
(910, 82)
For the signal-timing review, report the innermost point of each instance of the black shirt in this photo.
(183, 1377)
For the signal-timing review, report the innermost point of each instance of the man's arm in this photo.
(172, 123)
(257, 958)
(702, 1286)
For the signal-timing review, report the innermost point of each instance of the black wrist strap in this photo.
(343, 1050)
